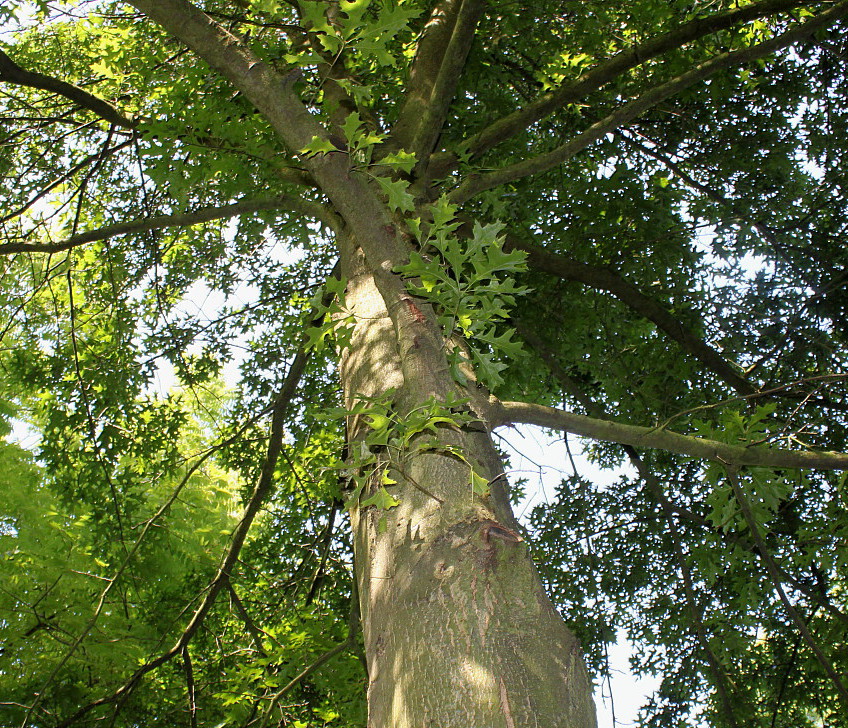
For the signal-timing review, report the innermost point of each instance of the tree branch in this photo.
(95, 158)
(475, 184)
(190, 686)
(610, 69)
(269, 91)
(148, 525)
(436, 73)
(605, 279)
(503, 413)
(350, 641)
(721, 681)
(429, 54)
(204, 214)
(260, 493)
(670, 509)
(11, 72)
(252, 628)
(774, 574)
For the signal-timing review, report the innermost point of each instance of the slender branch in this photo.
(148, 525)
(350, 641)
(502, 413)
(189, 673)
(96, 158)
(771, 567)
(204, 214)
(252, 628)
(315, 582)
(605, 279)
(697, 623)
(11, 72)
(475, 184)
(614, 67)
(594, 409)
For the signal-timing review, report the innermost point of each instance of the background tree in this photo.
(415, 223)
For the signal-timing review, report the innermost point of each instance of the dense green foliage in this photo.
(694, 279)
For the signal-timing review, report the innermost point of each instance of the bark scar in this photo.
(414, 310)
(492, 529)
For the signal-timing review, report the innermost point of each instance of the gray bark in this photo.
(458, 630)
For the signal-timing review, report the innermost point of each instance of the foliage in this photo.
(680, 267)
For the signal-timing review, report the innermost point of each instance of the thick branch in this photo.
(205, 214)
(13, 73)
(352, 194)
(429, 53)
(608, 280)
(502, 413)
(633, 109)
(594, 409)
(612, 68)
(424, 114)
(269, 91)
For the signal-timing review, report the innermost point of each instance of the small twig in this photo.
(325, 552)
(189, 673)
(255, 632)
(350, 641)
(415, 484)
(771, 567)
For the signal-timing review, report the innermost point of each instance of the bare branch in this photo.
(204, 214)
(721, 681)
(503, 413)
(614, 67)
(441, 57)
(95, 158)
(429, 54)
(13, 73)
(189, 673)
(635, 108)
(605, 279)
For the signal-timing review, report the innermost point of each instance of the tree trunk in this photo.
(458, 630)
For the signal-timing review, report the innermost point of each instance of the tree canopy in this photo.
(624, 221)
